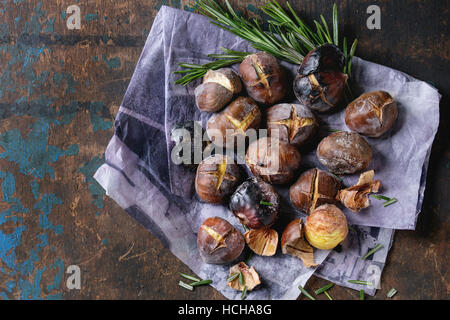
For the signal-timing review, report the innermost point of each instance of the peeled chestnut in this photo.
(224, 127)
(217, 89)
(293, 243)
(218, 242)
(217, 177)
(314, 188)
(372, 113)
(344, 152)
(295, 123)
(255, 203)
(327, 57)
(320, 91)
(263, 78)
(326, 227)
(275, 161)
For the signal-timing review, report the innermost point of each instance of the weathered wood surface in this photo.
(59, 92)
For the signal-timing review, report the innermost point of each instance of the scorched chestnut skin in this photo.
(255, 203)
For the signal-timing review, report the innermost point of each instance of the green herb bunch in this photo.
(289, 38)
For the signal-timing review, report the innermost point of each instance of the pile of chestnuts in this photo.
(276, 159)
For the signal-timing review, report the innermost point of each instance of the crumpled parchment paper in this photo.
(140, 177)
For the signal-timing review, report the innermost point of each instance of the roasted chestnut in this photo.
(295, 123)
(324, 58)
(250, 278)
(293, 243)
(263, 78)
(275, 161)
(372, 113)
(255, 203)
(217, 177)
(217, 89)
(183, 134)
(240, 115)
(320, 91)
(314, 188)
(326, 227)
(218, 242)
(262, 241)
(344, 152)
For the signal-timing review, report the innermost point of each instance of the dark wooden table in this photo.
(59, 92)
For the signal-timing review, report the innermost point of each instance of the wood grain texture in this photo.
(59, 92)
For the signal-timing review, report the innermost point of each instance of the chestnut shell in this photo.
(344, 152)
(245, 203)
(372, 113)
(327, 57)
(262, 161)
(227, 249)
(263, 77)
(217, 177)
(296, 123)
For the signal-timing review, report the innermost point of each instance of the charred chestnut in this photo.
(218, 242)
(326, 227)
(314, 188)
(255, 203)
(217, 177)
(223, 128)
(344, 152)
(217, 89)
(326, 58)
(295, 123)
(320, 91)
(372, 113)
(275, 161)
(183, 135)
(293, 243)
(263, 78)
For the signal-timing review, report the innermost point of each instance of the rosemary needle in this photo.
(232, 277)
(328, 296)
(241, 279)
(266, 203)
(244, 293)
(361, 294)
(306, 293)
(375, 249)
(200, 283)
(189, 277)
(364, 283)
(387, 203)
(380, 197)
(185, 285)
(323, 289)
(391, 293)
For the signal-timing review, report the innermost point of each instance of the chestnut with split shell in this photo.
(326, 227)
(218, 88)
(225, 127)
(218, 242)
(296, 124)
(217, 177)
(344, 152)
(249, 275)
(372, 113)
(293, 243)
(357, 197)
(314, 188)
(263, 78)
(262, 241)
(255, 203)
(275, 161)
(326, 57)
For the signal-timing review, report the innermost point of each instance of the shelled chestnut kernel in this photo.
(263, 77)
(314, 188)
(320, 82)
(218, 242)
(275, 161)
(344, 152)
(242, 114)
(372, 113)
(255, 203)
(293, 243)
(217, 177)
(218, 88)
(326, 227)
(295, 123)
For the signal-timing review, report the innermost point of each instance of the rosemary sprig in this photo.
(371, 252)
(306, 293)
